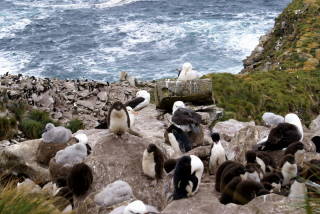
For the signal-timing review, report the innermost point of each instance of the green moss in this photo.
(75, 125)
(34, 123)
(248, 96)
(7, 127)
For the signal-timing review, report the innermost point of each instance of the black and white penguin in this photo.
(269, 162)
(118, 119)
(316, 141)
(80, 179)
(297, 150)
(231, 171)
(178, 139)
(288, 168)
(272, 181)
(295, 120)
(217, 153)
(170, 165)
(184, 118)
(141, 100)
(187, 176)
(251, 157)
(153, 162)
(248, 190)
(220, 170)
(281, 137)
(253, 172)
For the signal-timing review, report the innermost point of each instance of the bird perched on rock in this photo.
(187, 73)
(153, 162)
(118, 119)
(54, 134)
(184, 118)
(141, 100)
(217, 153)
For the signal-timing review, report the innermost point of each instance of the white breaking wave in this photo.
(77, 5)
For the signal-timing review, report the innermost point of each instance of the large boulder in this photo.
(206, 202)
(115, 158)
(195, 91)
(315, 124)
(245, 139)
(229, 128)
(21, 158)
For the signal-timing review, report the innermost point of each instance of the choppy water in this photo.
(97, 39)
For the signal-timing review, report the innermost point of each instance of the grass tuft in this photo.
(75, 125)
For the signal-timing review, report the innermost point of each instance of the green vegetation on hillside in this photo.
(246, 97)
(13, 201)
(295, 42)
(33, 125)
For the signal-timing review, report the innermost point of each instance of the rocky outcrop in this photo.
(206, 202)
(86, 100)
(292, 44)
(194, 91)
(21, 158)
(115, 158)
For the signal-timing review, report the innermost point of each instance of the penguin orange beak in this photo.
(135, 112)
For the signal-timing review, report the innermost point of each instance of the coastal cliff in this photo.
(294, 42)
(282, 73)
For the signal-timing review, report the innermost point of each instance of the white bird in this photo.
(54, 134)
(294, 120)
(141, 100)
(187, 73)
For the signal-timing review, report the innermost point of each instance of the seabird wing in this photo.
(135, 102)
(184, 116)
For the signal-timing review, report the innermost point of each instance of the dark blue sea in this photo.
(96, 39)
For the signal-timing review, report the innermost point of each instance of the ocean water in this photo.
(150, 39)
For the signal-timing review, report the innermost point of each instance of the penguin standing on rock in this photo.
(187, 176)
(297, 150)
(141, 100)
(118, 119)
(186, 119)
(289, 169)
(217, 153)
(153, 162)
(178, 139)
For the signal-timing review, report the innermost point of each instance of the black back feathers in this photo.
(135, 102)
(158, 159)
(182, 138)
(281, 137)
(182, 176)
(316, 142)
(80, 179)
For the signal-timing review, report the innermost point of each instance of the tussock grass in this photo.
(33, 125)
(14, 201)
(246, 97)
(75, 125)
